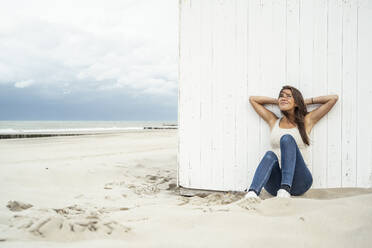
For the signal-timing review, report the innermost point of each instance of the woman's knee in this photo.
(287, 138)
(303, 189)
(271, 155)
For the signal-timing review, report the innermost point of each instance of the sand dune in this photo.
(119, 190)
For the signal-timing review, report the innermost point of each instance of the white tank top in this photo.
(277, 132)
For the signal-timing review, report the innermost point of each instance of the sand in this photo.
(119, 190)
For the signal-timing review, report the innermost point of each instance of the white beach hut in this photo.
(231, 49)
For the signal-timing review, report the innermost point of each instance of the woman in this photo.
(284, 171)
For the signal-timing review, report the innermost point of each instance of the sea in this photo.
(24, 127)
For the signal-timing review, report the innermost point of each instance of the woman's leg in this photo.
(295, 173)
(267, 168)
(273, 184)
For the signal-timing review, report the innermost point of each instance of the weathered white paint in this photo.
(232, 49)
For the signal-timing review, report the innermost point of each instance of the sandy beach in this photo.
(120, 190)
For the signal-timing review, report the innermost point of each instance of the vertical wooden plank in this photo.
(306, 61)
(266, 71)
(192, 98)
(320, 88)
(253, 53)
(349, 81)
(195, 41)
(292, 42)
(334, 53)
(214, 125)
(260, 85)
(180, 173)
(306, 14)
(184, 98)
(228, 83)
(278, 51)
(364, 95)
(241, 120)
(206, 44)
(218, 102)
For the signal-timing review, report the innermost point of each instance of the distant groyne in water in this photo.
(161, 127)
(36, 135)
(39, 134)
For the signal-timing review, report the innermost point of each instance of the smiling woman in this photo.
(285, 170)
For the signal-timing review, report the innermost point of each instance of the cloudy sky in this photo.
(88, 60)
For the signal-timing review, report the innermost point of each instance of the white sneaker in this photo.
(282, 193)
(251, 194)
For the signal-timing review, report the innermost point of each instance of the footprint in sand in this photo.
(148, 184)
(210, 199)
(111, 185)
(17, 206)
(248, 203)
(139, 165)
(70, 221)
(172, 186)
(164, 179)
(144, 189)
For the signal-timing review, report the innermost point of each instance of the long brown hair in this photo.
(299, 112)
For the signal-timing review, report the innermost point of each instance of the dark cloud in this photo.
(29, 104)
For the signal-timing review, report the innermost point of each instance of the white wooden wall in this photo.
(232, 49)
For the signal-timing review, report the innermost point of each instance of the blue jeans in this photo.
(294, 171)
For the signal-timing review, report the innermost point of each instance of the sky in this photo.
(89, 60)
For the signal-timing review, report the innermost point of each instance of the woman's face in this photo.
(286, 101)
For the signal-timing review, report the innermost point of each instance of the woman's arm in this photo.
(327, 103)
(258, 102)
